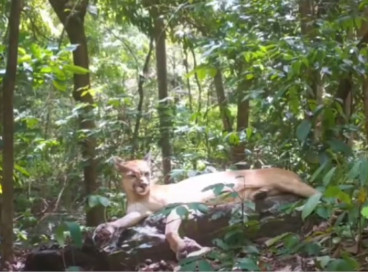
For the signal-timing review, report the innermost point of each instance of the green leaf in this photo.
(22, 170)
(323, 260)
(93, 201)
(182, 211)
(76, 69)
(346, 264)
(364, 212)
(339, 146)
(203, 208)
(319, 170)
(75, 233)
(363, 172)
(354, 171)
(328, 176)
(97, 200)
(104, 201)
(61, 86)
(204, 265)
(188, 265)
(310, 205)
(216, 188)
(59, 235)
(336, 192)
(303, 130)
(247, 264)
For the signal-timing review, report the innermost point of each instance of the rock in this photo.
(144, 245)
(147, 239)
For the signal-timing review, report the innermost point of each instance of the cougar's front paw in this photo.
(103, 234)
(191, 248)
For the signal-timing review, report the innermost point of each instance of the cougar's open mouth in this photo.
(141, 188)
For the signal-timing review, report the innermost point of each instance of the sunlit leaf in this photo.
(76, 69)
(59, 234)
(364, 212)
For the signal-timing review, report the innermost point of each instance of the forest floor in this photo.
(267, 262)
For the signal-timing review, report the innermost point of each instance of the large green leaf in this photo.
(75, 233)
(303, 130)
(76, 69)
(310, 205)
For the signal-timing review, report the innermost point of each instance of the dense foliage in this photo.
(250, 84)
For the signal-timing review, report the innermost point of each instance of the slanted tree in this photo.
(71, 15)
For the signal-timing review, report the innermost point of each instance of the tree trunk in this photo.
(141, 80)
(308, 29)
(199, 86)
(363, 33)
(365, 103)
(306, 12)
(222, 101)
(72, 17)
(164, 108)
(344, 95)
(242, 118)
(7, 213)
(186, 65)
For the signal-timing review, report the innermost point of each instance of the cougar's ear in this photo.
(119, 164)
(148, 158)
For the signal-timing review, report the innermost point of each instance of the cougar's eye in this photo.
(146, 174)
(131, 175)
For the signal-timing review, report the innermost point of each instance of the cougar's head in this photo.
(136, 175)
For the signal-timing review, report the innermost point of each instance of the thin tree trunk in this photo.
(186, 65)
(344, 94)
(199, 86)
(365, 103)
(164, 108)
(306, 12)
(7, 213)
(363, 33)
(141, 80)
(319, 90)
(73, 21)
(222, 101)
